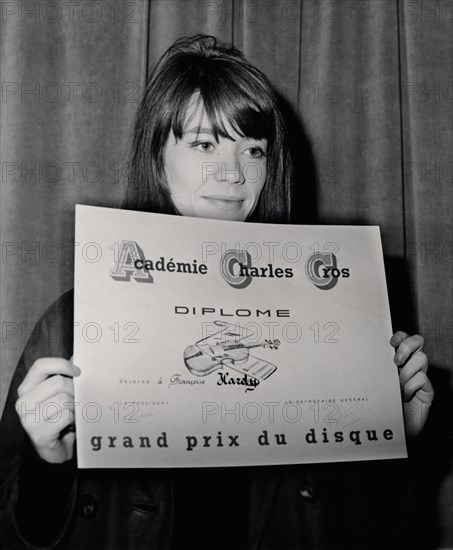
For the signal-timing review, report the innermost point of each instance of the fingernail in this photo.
(77, 371)
(398, 358)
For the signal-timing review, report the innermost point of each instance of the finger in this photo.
(418, 362)
(418, 382)
(30, 406)
(397, 338)
(32, 419)
(47, 389)
(69, 438)
(60, 404)
(43, 368)
(61, 413)
(407, 347)
(48, 433)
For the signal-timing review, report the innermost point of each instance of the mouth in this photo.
(224, 201)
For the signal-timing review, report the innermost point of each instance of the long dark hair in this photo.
(227, 85)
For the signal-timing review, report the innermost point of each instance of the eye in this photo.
(256, 152)
(203, 146)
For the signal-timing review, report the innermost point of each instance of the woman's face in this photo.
(209, 179)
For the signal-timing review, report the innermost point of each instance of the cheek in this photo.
(183, 175)
(260, 181)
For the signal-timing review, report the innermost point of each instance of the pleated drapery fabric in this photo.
(368, 86)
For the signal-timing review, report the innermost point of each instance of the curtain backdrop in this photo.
(368, 83)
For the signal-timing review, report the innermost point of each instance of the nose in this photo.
(230, 170)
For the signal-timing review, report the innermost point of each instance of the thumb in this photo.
(75, 368)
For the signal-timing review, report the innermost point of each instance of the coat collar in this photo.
(263, 490)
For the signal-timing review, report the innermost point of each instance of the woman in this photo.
(209, 141)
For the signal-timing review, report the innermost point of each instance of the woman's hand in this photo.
(46, 407)
(417, 390)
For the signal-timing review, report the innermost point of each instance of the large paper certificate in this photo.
(213, 343)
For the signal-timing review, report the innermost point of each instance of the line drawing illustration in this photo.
(229, 347)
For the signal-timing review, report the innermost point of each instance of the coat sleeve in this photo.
(37, 499)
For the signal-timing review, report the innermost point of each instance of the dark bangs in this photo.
(225, 95)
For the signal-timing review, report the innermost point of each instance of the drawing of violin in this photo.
(202, 359)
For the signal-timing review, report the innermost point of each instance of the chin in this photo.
(237, 215)
(226, 215)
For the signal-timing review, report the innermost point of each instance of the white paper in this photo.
(158, 348)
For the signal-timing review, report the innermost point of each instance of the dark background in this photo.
(368, 90)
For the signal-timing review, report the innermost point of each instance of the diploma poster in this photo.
(214, 343)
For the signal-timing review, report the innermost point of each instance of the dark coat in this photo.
(327, 506)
